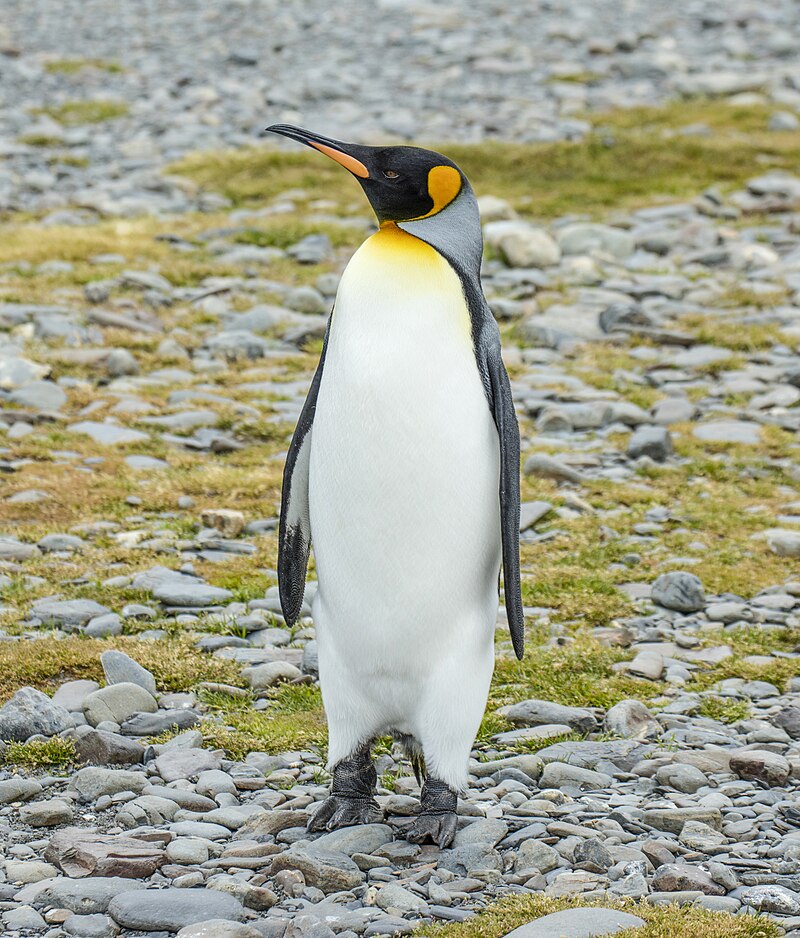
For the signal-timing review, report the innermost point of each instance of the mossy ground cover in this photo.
(294, 719)
(75, 66)
(75, 113)
(726, 710)
(578, 673)
(729, 332)
(660, 921)
(720, 494)
(631, 157)
(25, 244)
(49, 662)
(713, 502)
(40, 754)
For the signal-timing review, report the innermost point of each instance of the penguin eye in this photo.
(391, 174)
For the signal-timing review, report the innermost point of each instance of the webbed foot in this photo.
(350, 801)
(439, 828)
(336, 811)
(437, 818)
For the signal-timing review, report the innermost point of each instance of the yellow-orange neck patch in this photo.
(444, 184)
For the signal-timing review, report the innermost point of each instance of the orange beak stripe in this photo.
(350, 163)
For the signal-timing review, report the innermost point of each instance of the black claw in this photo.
(337, 812)
(438, 828)
(437, 819)
(319, 820)
(351, 800)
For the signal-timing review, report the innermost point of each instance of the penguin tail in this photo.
(418, 765)
(413, 751)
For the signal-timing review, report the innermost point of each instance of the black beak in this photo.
(349, 155)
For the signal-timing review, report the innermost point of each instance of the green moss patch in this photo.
(74, 113)
(579, 673)
(37, 754)
(284, 232)
(48, 662)
(294, 720)
(724, 709)
(632, 156)
(728, 332)
(73, 66)
(661, 921)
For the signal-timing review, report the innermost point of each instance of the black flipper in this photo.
(294, 533)
(505, 420)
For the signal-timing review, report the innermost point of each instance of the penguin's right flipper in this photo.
(294, 532)
(505, 418)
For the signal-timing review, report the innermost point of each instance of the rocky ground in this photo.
(161, 314)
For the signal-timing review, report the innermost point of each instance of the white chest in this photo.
(401, 333)
(403, 433)
(404, 465)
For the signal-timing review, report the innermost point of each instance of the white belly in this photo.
(404, 476)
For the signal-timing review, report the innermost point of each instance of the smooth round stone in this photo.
(92, 782)
(120, 668)
(363, 838)
(680, 591)
(145, 463)
(187, 851)
(117, 703)
(28, 871)
(483, 831)
(90, 926)
(217, 928)
(22, 918)
(578, 923)
(200, 829)
(172, 909)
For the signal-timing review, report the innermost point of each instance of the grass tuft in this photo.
(40, 140)
(579, 674)
(74, 113)
(724, 709)
(295, 720)
(730, 333)
(660, 921)
(285, 232)
(37, 754)
(73, 66)
(48, 662)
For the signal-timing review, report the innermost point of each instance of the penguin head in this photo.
(401, 183)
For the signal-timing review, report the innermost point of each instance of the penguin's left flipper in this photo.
(294, 532)
(502, 404)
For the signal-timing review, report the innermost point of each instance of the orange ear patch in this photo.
(444, 184)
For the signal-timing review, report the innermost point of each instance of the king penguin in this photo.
(404, 474)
